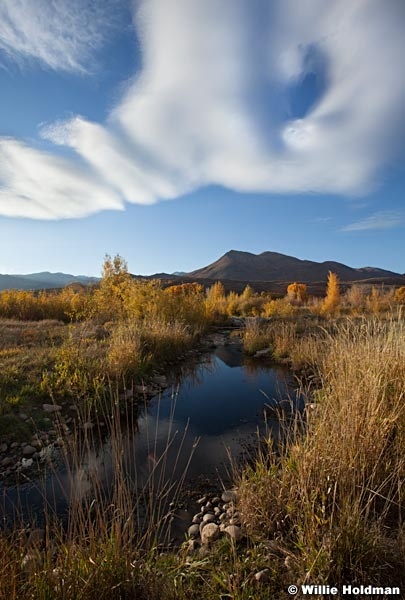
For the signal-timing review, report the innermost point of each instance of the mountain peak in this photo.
(274, 266)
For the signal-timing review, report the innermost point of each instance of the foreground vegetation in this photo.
(325, 506)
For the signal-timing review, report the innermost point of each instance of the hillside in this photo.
(273, 266)
(43, 280)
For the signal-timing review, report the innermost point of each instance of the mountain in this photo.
(273, 266)
(44, 280)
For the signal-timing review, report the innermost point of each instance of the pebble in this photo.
(193, 531)
(209, 533)
(234, 532)
(51, 408)
(263, 576)
(208, 518)
(202, 500)
(229, 496)
(3, 448)
(28, 450)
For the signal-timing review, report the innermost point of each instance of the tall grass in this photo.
(334, 500)
(118, 524)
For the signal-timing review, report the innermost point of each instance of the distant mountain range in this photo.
(268, 271)
(272, 266)
(44, 280)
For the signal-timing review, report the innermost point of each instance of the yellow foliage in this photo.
(297, 292)
(332, 299)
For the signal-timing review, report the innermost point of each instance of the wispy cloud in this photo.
(41, 186)
(196, 114)
(60, 34)
(387, 219)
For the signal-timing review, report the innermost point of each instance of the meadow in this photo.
(323, 506)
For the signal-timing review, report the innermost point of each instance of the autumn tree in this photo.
(332, 299)
(111, 298)
(297, 292)
(400, 295)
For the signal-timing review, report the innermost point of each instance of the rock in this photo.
(217, 511)
(14, 445)
(263, 576)
(196, 519)
(209, 533)
(222, 517)
(229, 496)
(51, 408)
(26, 463)
(28, 450)
(208, 518)
(263, 352)
(216, 500)
(234, 532)
(3, 448)
(7, 462)
(194, 531)
(202, 500)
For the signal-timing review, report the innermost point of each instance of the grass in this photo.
(334, 499)
(325, 506)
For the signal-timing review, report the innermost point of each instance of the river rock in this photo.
(202, 500)
(209, 533)
(28, 450)
(264, 352)
(229, 496)
(194, 531)
(234, 532)
(51, 408)
(208, 518)
(26, 463)
(196, 519)
(7, 461)
(263, 576)
(3, 448)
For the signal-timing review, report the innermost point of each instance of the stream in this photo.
(205, 422)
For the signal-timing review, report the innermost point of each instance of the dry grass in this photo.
(334, 500)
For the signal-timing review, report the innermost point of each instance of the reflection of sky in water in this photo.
(221, 403)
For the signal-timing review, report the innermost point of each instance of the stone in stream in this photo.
(28, 450)
(263, 576)
(234, 532)
(194, 531)
(51, 408)
(208, 518)
(209, 533)
(229, 496)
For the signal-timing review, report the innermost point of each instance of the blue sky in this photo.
(171, 131)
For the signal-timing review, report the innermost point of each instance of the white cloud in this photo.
(41, 186)
(387, 219)
(196, 115)
(60, 34)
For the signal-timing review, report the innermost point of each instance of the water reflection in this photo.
(219, 402)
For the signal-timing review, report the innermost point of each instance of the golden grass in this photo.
(334, 498)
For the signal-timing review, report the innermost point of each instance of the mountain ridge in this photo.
(267, 266)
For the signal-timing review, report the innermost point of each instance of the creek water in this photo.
(213, 412)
